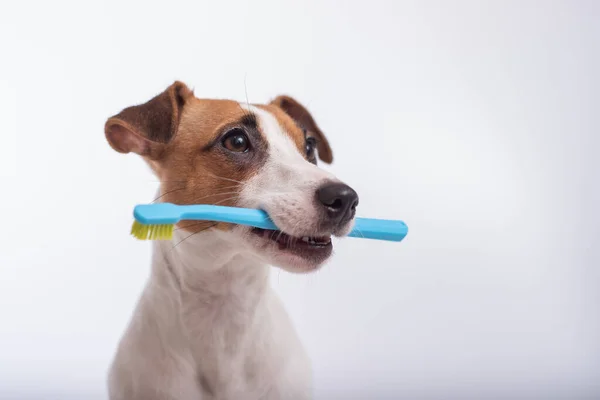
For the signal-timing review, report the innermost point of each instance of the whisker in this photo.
(279, 235)
(166, 193)
(290, 241)
(226, 179)
(245, 111)
(246, 90)
(359, 232)
(187, 237)
(182, 188)
(224, 200)
(197, 201)
(204, 197)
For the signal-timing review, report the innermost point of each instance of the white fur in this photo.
(286, 185)
(208, 325)
(208, 314)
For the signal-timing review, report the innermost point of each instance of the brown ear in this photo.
(146, 128)
(306, 121)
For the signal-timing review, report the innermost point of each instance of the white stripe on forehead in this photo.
(286, 184)
(281, 144)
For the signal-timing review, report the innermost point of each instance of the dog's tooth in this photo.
(306, 239)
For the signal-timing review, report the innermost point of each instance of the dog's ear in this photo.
(303, 118)
(145, 129)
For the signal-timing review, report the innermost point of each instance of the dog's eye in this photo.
(236, 140)
(311, 144)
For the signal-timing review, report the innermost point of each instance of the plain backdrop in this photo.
(476, 122)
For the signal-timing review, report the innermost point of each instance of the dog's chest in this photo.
(241, 351)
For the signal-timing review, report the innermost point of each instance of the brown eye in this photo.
(311, 144)
(236, 140)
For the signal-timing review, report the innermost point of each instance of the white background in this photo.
(476, 122)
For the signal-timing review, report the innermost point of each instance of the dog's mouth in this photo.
(304, 245)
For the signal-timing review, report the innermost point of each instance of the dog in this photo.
(208, 325)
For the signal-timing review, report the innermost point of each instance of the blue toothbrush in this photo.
(157, 221)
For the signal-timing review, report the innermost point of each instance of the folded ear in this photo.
(303, 118)
(145, 129)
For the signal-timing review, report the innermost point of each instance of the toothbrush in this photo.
(157, 221)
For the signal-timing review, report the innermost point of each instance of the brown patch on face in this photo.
(190, 160)
(197, 169)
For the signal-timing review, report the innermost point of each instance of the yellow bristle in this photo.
(152, 232)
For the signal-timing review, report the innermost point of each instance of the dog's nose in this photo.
(340, 201)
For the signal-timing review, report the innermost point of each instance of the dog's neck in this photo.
(210, 265)
(216, 297)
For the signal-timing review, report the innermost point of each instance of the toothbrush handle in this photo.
(234, 215)
(379, 229)
(364, 228)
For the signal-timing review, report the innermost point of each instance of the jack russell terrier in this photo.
(208, 325)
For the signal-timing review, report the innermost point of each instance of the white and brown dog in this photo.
(208, 325)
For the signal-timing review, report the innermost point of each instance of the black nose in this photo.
(340, 201)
